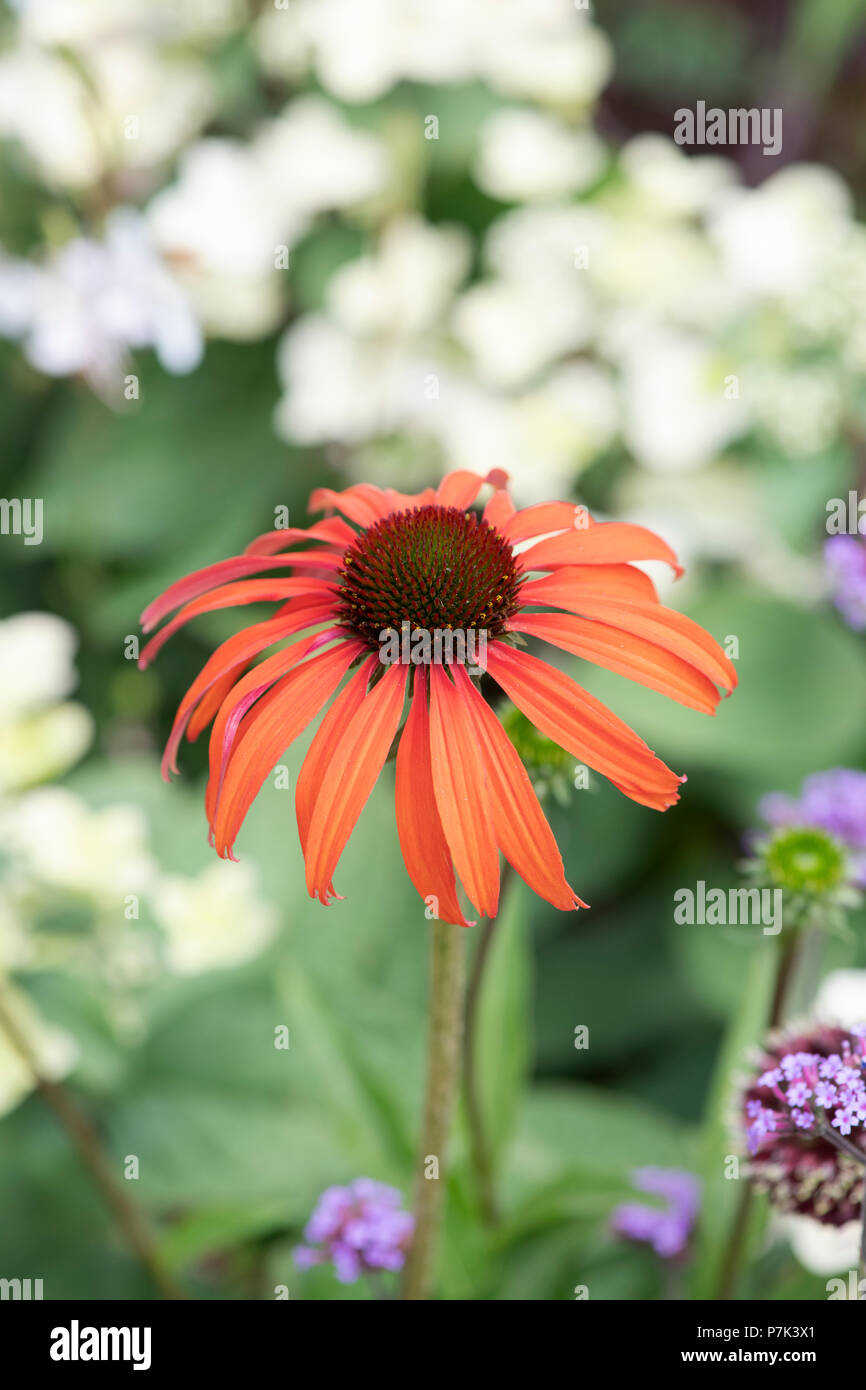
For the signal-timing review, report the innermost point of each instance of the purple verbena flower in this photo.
(792, 1158)
(357, 1228)
(667, 1229)
(845, 561)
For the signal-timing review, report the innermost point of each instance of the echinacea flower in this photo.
(358, 1229)
(804, 1119)
(667, 1229)
(392, 569)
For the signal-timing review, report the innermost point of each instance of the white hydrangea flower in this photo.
(775, 239)
(39, 736)
(527, 156)
(55, 1052)
(342, 387)
(545, 50)
(45, 105)
(670, 182)
(841, 998)
(677, 416)
(404, 287)
(316, 161)
(235, 206)
(146, 105)
(820, 1248)
(37, 662)
(92, 302)
(219, 225)
(214, 921)
(513, 330)
(81, 24)
(54, 839)
(540, 49)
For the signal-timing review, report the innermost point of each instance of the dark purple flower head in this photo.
(834, 801)
(809, 1087)
(667, 1229)
(357, 1228)
(845, 559)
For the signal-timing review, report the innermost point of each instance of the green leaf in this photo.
(503, 1045)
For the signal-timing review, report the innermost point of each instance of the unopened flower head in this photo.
(804, 1121)
(845, 559)
(430, 560)
(833, 801)
(358, 1229)
(667, 1229)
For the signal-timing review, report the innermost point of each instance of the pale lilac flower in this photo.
(845, 559)
(667, 1229)
(358, 1228)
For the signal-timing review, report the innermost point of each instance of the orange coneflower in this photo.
(426, 560)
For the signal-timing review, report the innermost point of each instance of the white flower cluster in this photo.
(75, 881)
(640, 302)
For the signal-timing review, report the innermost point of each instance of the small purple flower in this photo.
(357, 1228)
(845, 561)
(666, 1229)
(834, 801)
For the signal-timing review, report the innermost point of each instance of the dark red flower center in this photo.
(433, 567)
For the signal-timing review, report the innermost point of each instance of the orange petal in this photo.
(666, 628)
(566, 587)
(351, 774)
(328, 735)
(499, 509)
(547, 517)
(521, 827)
(236, 651)
(605, 543)
(235, 595)
(363, 503)
(460, 790)
(238, 567)
(582, 725)
(460, 488)
(333, 529)
(422, 839)
(240, 700)
(625, 654)
(267, 730)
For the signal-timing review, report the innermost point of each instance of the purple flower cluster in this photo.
(845, 559)
(667, 1229)
(807, 1096)
(812, 1091)
(834, 801)
(357, 1228)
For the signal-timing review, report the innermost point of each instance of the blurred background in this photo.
(247, 249)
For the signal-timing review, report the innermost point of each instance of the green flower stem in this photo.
(480, 1149)
(130, 1220)
(443, 1071)
(785, 970)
